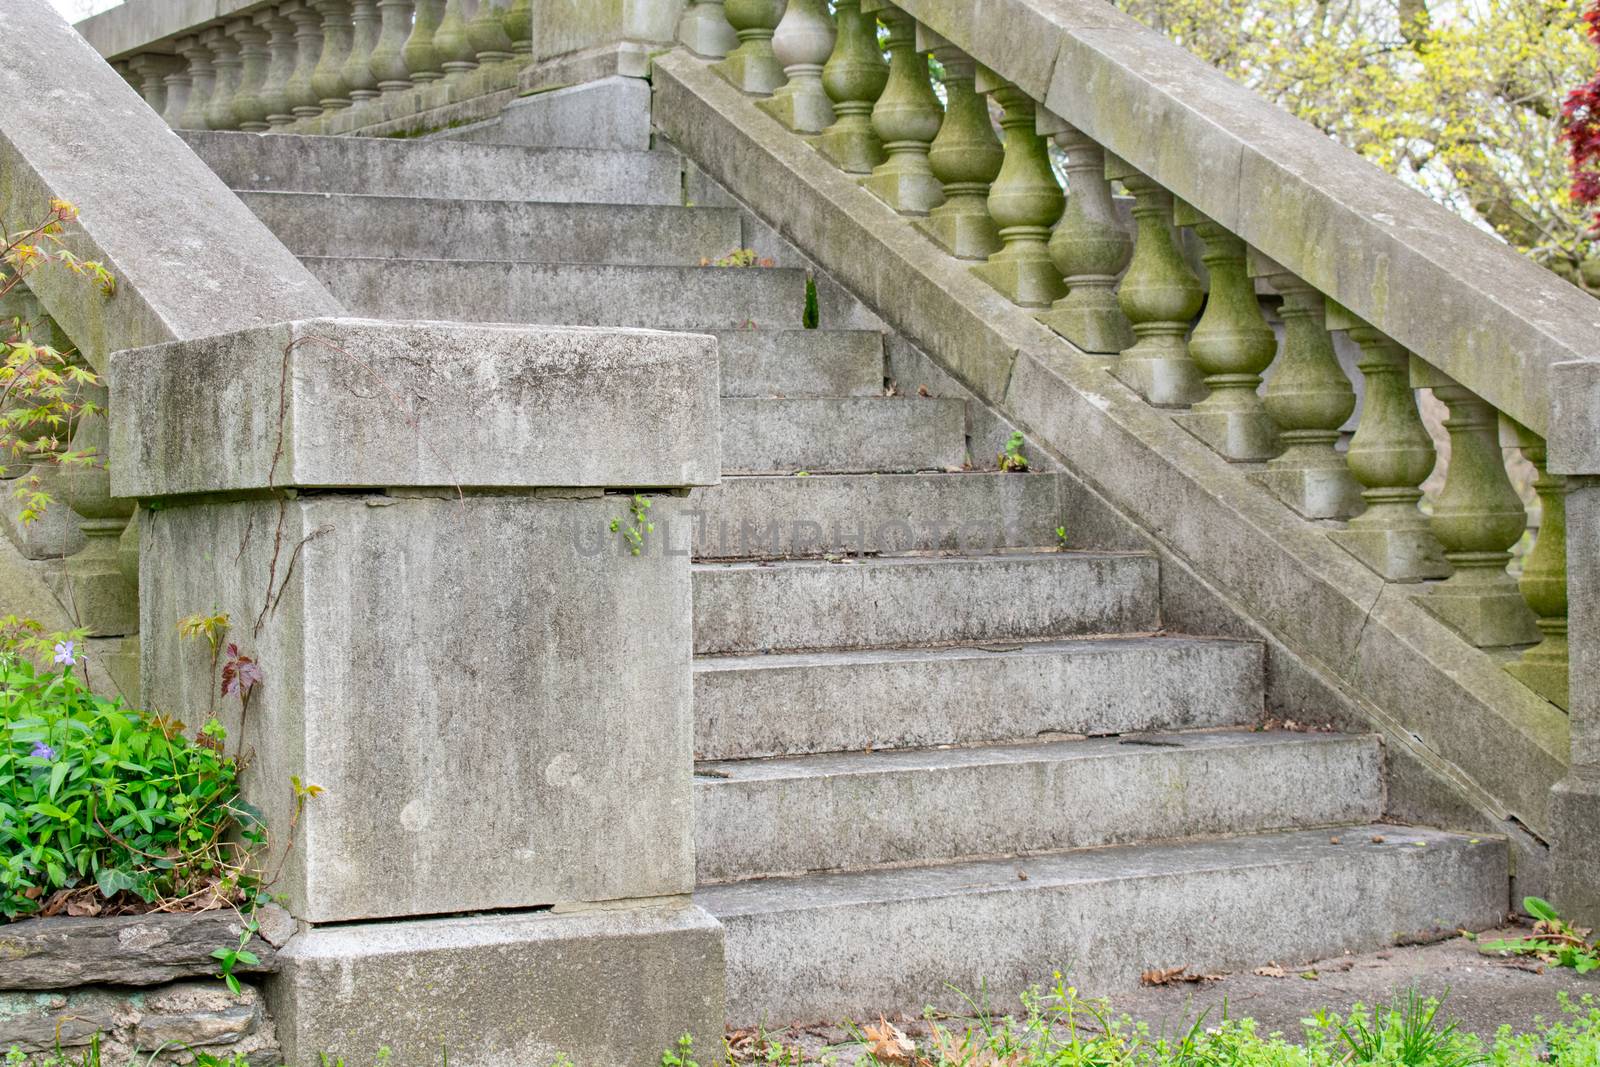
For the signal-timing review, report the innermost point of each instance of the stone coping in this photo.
(151, 25)
(134, 950)
(1456, 296)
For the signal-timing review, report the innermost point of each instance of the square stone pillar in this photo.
(1574, 444)
(410, 529)
(601, 37)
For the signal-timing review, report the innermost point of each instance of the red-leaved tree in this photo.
(1581, 126)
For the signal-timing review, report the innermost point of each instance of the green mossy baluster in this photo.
(1544, 667)
(705, 30)
(854, 76)
(150, 70)
(803, 42)
(1231, 345)
(487, 32)
(337, 35)
(357, 70)
(518, 23)
(307, 52)
(1309, 398)
(281, 45)
(753, 67)
(1160, 295)
(202, 82)
(388, 59)
(1390, 456)
(966, 159)
(1024, 201)
(422, 61)
(225, 61)
(91, 580)
(249, 107)
(1090, 247)
(1478, 517)
(906, 119)
(453, 44)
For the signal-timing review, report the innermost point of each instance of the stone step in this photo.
(801, 362)
(876, 809)
(850, 945)
(666, 298)
(784, 705)
(821, 434)
(408, 227)
(806, 605)
(382, 166)
(778, 516)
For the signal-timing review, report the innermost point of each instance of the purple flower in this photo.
(64, 652)
(42, 751)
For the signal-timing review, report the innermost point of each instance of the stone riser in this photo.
(865, 810)
(666, 298)
(850, 945)
(805, 605)
(801, 362)
(402, 227)
(387, 167)
(753, 706)
(821, 434)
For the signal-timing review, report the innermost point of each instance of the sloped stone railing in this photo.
(1431, 301)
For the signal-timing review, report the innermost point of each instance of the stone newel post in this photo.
(409, 527)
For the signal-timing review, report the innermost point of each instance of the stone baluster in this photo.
(1544, 667)
(357, 69)
(303, 103)
(422, 60)
(388, 58)
(124, 71)
(1160, 295)
(1231, 345)
(965, 157)
(1090, 247)
(705, 30)
(753, 67)
(1477, 517)
(518, 23)
(454, 45)
(179, 81)
(1309, 398)
(1390, 456)
(202, 83)
(152, 70)
(281, 46)
(488, 35)
(91, 583)
(906, 119)
(338, 33)
(803, 42)
(1024, 201)
(249, 104)
(225, 60)
(854, 76)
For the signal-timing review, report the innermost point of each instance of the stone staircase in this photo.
(965, 756)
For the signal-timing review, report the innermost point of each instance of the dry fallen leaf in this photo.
(1377, 839)
(888, 1043)
(1176, 974)
(922, 390)
(1272, 971)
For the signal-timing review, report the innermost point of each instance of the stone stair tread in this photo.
(988, 650)
(362, 225)
(920, 560)
(842, 434)
(801, 362)
(442, 168)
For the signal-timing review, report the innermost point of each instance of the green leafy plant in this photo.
(1011, 457)
(682, 1056)
(635, 532)
(813, 314)
(1554, 941)
(1406, 1034)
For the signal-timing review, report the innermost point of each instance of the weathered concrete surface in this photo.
(842, 434)
(134, 950)
(766, 517)
(379, 166)
(801, 362)
(613, 113)
(751, 706)
(138, 24)
(145, 1026)
(73, 129)
(667, 298)
(565, 27)
(492, 638)
(332, 403)
(855, 944)
(410, 227)
(1475, 745)
(803, 605)
(877, 809)
(605, 987)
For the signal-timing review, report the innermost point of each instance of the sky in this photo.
(77, 9)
